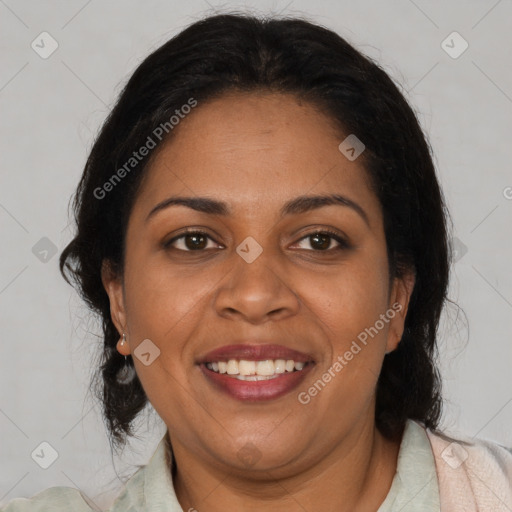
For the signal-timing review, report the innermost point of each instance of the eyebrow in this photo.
(295, 206)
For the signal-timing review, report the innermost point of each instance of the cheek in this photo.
(351, 299)
(164, 307)
(348, 307)
(166, 304)
(160, 297)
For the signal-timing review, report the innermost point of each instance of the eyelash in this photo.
(343, 244)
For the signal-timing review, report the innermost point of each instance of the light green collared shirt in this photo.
(414, 487)
(150, 489)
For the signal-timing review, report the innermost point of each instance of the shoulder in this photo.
(56, 499)
(149, 488)
(464, 450)
(476, 471)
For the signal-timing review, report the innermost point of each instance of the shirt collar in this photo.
(159, 491)
(414, 487)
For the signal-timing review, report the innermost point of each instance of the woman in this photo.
(261, 230)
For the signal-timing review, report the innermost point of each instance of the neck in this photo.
(355, 476)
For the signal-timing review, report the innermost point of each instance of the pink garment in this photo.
(473, 475)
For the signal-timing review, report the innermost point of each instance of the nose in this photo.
(256, 292)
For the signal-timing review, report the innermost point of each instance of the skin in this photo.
(256, 151)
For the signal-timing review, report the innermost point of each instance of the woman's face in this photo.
(257, 276)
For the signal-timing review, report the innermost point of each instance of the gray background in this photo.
(52, 108)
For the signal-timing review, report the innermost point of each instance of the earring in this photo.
(122, 340)
(127, 372)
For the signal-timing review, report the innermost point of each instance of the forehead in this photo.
(255, 151)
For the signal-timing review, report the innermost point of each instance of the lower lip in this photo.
(257, 390)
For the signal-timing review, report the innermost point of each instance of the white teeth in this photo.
(265, 367)
(280, 365)
(247, 367)
(255, 370)
(232, 367)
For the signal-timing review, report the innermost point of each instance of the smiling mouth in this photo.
(255, 371)
(246, 370)
(236, 378)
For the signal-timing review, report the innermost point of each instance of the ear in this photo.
(113, 285)
(400, 296)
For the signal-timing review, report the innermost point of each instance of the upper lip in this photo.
(254, 352)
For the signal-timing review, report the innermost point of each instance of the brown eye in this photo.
(322, 241)
(195, 241)
(191, 241)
